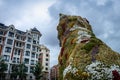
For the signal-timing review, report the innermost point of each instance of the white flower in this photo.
(98, 70)
(69, 69)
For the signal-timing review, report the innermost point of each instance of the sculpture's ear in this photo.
(60, 14)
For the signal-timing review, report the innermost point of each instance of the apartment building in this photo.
(44, 58)
(17, 46)
(54, 72)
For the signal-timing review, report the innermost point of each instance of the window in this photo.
(30, 77)
(37, 49)
(32, 62)
(17, 44)
(26, 69)
(46, 59)
(29, 39)
(9, 41)
(18, 37)
(28, 46)
(6, 58)
(36, 61)
(27, 53)
(37, 42)
(34, 42)
(40, 54)
(46, 68)
(1, 32)
(47, 55)
(0, 40)
(26, 61)
(33, 55)
(47, 50)
(33, 48)
(11, 28)
(18, 60)
(40, 50)
(20, 44)
(46, 64)
(15, 52)
(8, 49)
(38, 37)
(36, 55)
(11, 34)
(14, 60)
(31, 69)
(34, 36)
(19, 52)
(39, 59)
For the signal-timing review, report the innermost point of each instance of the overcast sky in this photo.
(103, 15)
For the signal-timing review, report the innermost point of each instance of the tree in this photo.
(38, 71)
(14, 72)
(3, 68)
(18, 70)
(22, 71)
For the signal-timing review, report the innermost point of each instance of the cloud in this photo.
(30, 14)
(54, 55)
(103, 15)
(101, 2)
(27, 14)
(1, 2)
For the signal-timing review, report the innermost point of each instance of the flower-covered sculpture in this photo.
(83, 56)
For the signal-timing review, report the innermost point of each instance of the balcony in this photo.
(1, 33)
(1, 42)
(22, 47)
(11, 34)
(26, 60)
(32, 62)
(19, 45)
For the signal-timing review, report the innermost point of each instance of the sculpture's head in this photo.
(68, 23)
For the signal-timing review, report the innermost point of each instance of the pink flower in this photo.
(116, 75)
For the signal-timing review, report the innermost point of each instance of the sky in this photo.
(103, 15)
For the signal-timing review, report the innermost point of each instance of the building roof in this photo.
(2, 26)
(20, 32)
(36, 31)
(43, 47)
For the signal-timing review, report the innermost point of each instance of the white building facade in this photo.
(20, 47)
(44, 58)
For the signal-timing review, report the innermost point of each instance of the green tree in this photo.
(3, 68)
(18, 70)
(38, 71)
(22, 71)
(14, 72)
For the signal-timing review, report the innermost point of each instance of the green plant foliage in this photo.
(38, 71)
(61, 69)
(89, 46)
(22, 71)
(80, 54)
(77, 75)
(93, 42)
(14, 71)
(3, 68)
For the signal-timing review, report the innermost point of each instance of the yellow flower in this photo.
(85, 74)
